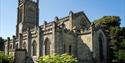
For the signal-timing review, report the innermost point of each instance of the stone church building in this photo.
(73, 34)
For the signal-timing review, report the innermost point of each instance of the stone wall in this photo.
(87, 39)
(84, 52)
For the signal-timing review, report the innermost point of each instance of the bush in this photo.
(6, 58)
(64, 58)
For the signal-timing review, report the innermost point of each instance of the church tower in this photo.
(27, 16)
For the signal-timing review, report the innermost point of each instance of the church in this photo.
(73, 34)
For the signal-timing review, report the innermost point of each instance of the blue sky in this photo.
(94, 9)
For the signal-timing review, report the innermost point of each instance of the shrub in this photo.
(64, 58)
(6, 58)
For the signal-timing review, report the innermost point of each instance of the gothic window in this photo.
(17, 46)
(100, 48)
(64, 48)
(10, 46)
(34, 48)
(24, 45)
(47, 46)
(62, 26)
(70, 49)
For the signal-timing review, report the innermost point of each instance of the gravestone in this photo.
(20, 55)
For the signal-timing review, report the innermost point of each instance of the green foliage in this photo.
(122, 44)
(108, 20)
(120, 54)
(1, 44)
(117, 48)
(6, 59)
(115, 31)
(64, 58)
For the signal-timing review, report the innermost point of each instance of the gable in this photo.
(81, 20)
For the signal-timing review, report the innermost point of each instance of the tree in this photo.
(110, 21)
(64, 58)
(1, 44)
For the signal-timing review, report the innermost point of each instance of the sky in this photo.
(94, 9)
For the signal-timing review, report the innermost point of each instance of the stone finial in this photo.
(92, 27)
(92, 24)
(20, 34)
(56, 19)
(45, 22)
(14, 36)
(71, 16)
(37, 1)
(8, 38)
(71, 13)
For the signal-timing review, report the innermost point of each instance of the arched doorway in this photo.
(34, 48)
(47, 46)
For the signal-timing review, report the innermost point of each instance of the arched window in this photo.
(101, 48)
(10, 46)
(47, 46)
(62, 26)
(24, 45)
(17, 46)
(34, 48)
(70, 49)
(64, 50)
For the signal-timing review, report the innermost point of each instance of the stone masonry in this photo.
(72, 34)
